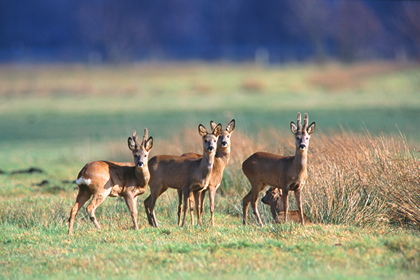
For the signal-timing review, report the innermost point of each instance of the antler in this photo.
(145, 136)
(299, 125)
(135, 136)
(305, 122)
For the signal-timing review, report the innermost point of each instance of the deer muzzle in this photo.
(140, 164)
(302, 146)
(224, 144)
(265, 200)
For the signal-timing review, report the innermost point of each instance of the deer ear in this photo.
(202, 130)
(149, 144)
(131, 143)
(231, 126)
(293, 128)
(311, 128)
(217, 130)
(212, 125)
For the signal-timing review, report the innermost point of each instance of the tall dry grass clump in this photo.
(362, 179)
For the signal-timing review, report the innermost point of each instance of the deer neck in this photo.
(300, 162)
(208, 160)
(206, 164)
(142, 174)
(223, 155)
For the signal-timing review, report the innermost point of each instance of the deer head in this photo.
(140, 151)
(273, 197)
(224, 139)
(210, 139)
(302, 133)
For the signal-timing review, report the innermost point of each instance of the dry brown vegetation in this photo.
(354, 179)
(361, 179)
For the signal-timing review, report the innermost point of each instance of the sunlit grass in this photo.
(227, 250)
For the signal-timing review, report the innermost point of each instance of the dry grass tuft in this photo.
(361, 179)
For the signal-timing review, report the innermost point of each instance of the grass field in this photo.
(362, 196)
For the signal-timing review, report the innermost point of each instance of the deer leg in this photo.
(81, 199)
(251, 197)
(147, 207)
(186, 193)
(212, 195)
(254, 204)
(197, 199)
(285, 203)
(191, 202)
(200, 206)
(179, 206)
(132, 207)
(96, 201)
(150, 203)
(245, 204)
(299, 203)
(202, 196)
(257, 187)
(273, 208)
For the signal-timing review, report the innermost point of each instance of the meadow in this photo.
(362, 197)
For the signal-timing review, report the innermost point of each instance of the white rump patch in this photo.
(83, 181)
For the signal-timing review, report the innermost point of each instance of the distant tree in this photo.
(219, 25)
(311, 19)
(406, 20)
(117, 28)
(124, 29)
(357, 30)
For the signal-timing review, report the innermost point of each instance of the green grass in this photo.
(58, 117)
(35, 245)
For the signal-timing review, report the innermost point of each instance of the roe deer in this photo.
(287, 173)
(220, 162)
(106, 178)
(274, 199)
(183, 173)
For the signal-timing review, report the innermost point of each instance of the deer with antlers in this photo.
(288, 173)
(220, 162)
(100, 179)
(188, 174)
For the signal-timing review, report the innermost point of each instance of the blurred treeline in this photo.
(269, 31)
